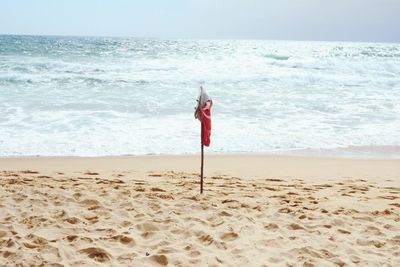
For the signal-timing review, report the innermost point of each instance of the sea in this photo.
(99, 96)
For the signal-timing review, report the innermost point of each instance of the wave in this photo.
(278, 95)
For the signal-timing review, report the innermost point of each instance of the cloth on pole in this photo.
(203, 114)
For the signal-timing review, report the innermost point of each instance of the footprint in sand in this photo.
(92, 219)
(155, 175)
(10, 174)
(6, 254)
(228, 201)
(301, 217)
(344, 231)
(224, 213)
(98, 254)
(29, 172)
(160, 259)
(77, 195)
(126, 240)
(30, 245)
(274, 180)
(72, 220)
(206, 239)
(271, 226)
(230, 236)
(91, 173)
(295, 226)
(285, 210)
(71, 238)
(388, 197)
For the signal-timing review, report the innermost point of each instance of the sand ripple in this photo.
(95, 219)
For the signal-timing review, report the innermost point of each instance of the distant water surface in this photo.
(115, 96)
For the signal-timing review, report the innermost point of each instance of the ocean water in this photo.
(89, 96)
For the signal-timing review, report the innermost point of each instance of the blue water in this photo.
(112, 96)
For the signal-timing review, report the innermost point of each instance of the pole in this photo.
(202, 161)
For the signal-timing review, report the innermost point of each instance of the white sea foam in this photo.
(113, 96)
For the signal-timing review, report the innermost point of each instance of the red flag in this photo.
(205, 118)
(203, 113)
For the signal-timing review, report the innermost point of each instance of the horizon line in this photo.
(196, 38)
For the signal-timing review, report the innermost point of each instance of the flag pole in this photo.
(202, 161)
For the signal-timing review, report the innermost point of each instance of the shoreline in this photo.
(350, 152)
(249, 165)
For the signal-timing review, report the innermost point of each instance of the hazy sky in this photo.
(341, 20)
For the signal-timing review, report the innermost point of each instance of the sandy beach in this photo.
(107, 108)
(257, 210)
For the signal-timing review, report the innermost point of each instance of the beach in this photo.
(303, 168)
(256, 210)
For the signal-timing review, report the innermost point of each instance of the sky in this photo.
(335, 20)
